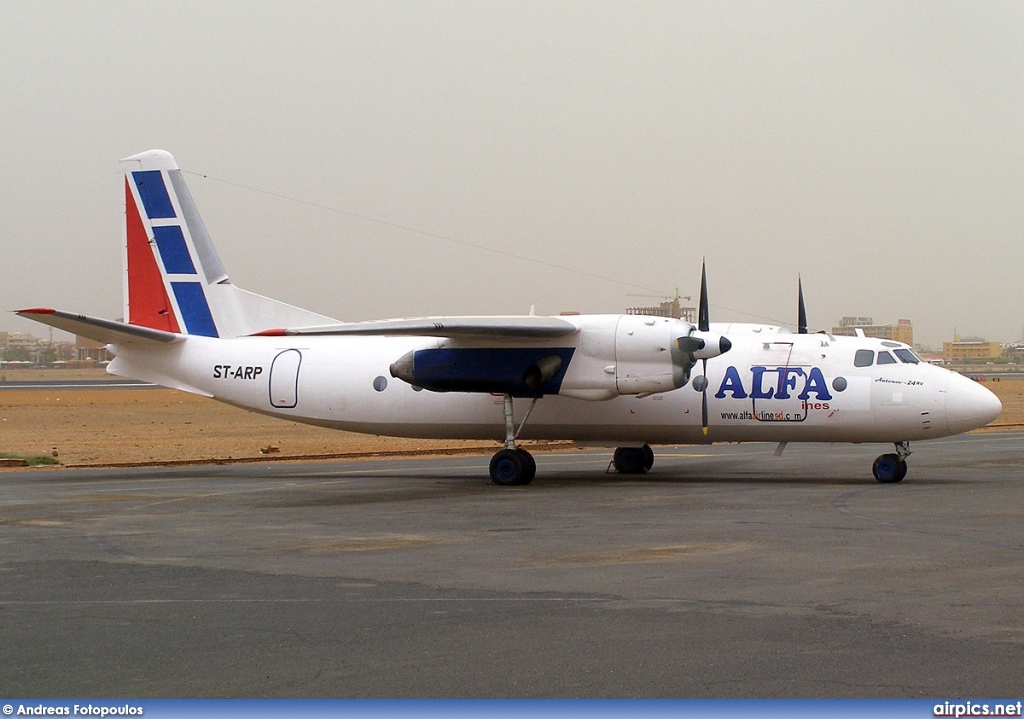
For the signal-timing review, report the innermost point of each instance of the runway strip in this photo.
(78, 384)
(724, 572)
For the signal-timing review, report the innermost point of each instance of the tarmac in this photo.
(724, 572)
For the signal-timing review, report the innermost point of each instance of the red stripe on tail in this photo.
(148, 304)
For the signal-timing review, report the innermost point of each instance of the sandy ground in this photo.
(87, 427)
(103, 427)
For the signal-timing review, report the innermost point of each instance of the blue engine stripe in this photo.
(154, 194)
(173, 250)
(490, 369)
(194, 309)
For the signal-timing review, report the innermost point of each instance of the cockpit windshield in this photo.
(866, 358)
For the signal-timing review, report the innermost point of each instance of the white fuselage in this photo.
(771, 386)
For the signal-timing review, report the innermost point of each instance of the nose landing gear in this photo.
(892, 468)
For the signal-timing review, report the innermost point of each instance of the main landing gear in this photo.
(633, 460)
(513, 465)
(891, 468)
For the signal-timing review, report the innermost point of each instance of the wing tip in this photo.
(36, 311)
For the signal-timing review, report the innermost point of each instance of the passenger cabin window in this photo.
(886, 358)
(864, 358)
(907, 356)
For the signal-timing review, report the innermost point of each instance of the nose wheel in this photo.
(892, 468)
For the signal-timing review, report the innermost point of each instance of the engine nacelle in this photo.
(611, 355)
(647, 357)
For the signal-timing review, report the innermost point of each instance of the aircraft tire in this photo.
(889, 468)
(902, 471)
(648, 458)
(509, 468)
(531, 466)
(629, 460)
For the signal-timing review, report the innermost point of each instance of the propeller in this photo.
(702, 344)
(704, 325)
(801, 311)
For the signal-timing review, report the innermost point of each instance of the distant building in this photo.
(20, 347)
(903, 331)
(21, 340)
(87, 349)
(670, 308)
(968, 351)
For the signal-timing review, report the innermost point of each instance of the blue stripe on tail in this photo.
(194, 309)
(173, 250)
(154, 194)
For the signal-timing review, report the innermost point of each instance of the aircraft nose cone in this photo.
(969, 405)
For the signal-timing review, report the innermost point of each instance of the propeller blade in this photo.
(721, 346)
(704, 401)
(700, 343)
(801, 311)
(703, 318)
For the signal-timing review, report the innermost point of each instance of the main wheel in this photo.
(531, 466)
(889, 468)
(510, 467)
(629, 460)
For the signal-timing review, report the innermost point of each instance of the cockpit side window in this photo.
(864, 358)
(907, 356)
(886, 358)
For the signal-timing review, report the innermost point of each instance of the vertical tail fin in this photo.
(174, 280)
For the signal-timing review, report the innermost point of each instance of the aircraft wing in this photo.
(97, 329)
(524, 327)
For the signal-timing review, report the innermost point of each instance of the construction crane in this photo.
(668, 307)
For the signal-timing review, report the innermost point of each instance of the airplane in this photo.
(615, 380)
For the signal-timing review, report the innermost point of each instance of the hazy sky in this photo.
(877, 149)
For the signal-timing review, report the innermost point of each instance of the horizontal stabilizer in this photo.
(526, 327)
(97, 329)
